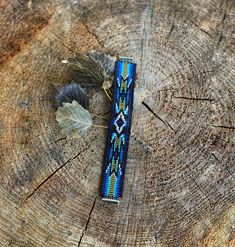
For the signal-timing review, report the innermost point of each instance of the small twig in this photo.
(99, 126)
(105, 90)
(98, 115)
(105, 113)
(109, 91)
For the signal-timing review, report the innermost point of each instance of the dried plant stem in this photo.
(105, 90)
(100, 126)
(109, 91)
(97, 115)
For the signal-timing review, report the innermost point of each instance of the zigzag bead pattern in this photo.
(119, 131)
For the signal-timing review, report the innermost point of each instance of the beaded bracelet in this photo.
(119, 130)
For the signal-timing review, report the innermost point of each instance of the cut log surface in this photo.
(179, 187)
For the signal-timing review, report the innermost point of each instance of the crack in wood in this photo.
(58, 169)
(224, 127)
(87, 222)
(204, 31)
(198, 186)
(62, 42)
(220, 38)
(142, 47)
(94, 35)
(58, 140)
(189, 98)
(111, 9)
(151, 7)
(216, 158)
(225, 13)
(170, 31)
(18, 1)
(163, 121)
(222, 23)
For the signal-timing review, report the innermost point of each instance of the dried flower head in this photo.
(73, 119)
(71, 92)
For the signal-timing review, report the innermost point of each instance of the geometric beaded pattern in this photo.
(119, 131)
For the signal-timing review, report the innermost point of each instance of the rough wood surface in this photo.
(179, 186)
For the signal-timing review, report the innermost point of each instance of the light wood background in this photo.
(179, 184)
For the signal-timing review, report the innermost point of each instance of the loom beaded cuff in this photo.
(119, 130)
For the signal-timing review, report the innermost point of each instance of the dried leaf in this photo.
(107, 62)
(87, 67)
(71, 92)
(93, 68)
(73, 118)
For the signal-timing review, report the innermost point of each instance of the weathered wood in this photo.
(179, 186)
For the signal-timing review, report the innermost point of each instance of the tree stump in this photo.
(179, 182)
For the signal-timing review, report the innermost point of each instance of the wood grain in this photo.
(179, 184)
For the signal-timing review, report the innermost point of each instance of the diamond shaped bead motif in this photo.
(120, 122)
